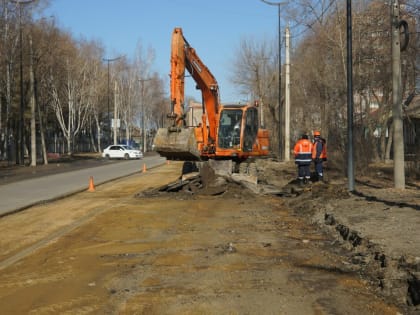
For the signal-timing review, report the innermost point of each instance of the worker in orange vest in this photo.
(303, 159)
(319, 154)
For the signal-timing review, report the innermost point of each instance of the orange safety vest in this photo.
(303, 151)
(319, 152)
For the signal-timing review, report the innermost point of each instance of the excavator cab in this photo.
(237, 133)
(238, 128)
(230, 127)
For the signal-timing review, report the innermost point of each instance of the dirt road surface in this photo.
(127, 248)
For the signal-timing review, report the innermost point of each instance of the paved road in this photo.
(22, 194)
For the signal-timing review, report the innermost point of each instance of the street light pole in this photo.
(116, 120)
(397, 113)
(281, 140)
(108, 60)
(143, 130)
(287, 98)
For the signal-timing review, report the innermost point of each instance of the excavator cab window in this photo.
(251, 128)
(229, 133)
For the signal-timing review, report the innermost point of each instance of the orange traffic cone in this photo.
(91, 185)
(144, 168)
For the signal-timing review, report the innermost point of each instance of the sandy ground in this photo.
(128, 249)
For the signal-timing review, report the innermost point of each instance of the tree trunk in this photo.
(41, 131)
(68, 146)
(127, 131)
(33, 105)
(99, 138)
(69, 143)
(382, 147)
(3, 138)
(98, 133)
(389, 144)
(8, 105)
(91, 138)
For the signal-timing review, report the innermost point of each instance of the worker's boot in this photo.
(301, 182)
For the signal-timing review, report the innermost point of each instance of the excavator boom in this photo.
(177, 141)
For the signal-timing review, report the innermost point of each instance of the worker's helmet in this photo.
(317, 134)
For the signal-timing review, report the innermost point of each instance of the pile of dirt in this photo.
(194, 183)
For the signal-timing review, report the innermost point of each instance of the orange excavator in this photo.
(226, 132)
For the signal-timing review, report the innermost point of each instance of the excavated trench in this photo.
(395, 275)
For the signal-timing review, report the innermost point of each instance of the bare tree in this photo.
(46, 49)
(9, 39)
(149, 94)
(253, 72)
(92, 90)
(69, 97)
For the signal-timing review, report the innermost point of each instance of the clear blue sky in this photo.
(214, 28)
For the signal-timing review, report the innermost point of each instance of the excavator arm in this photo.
(209, 88)
(184, 57)
(178, 142)
(177, 76)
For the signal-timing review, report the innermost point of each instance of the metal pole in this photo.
(287, 99)
(109, 117)
(143, 130)
(281, 116)
(108, 60)
(397, 116)
(116, 125)
(281, 151)
(350, 169)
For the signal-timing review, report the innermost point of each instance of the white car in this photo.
(121, 151)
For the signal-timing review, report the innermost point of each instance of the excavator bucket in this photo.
(177, 145)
